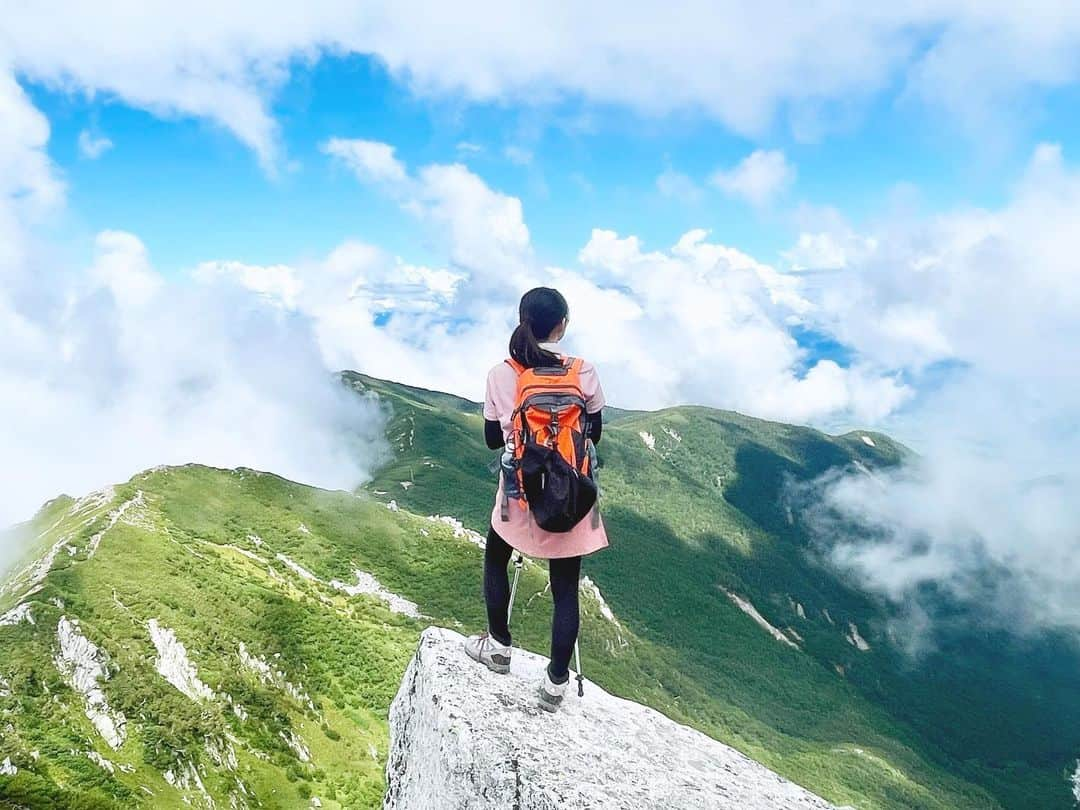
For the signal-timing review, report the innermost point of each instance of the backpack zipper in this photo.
(575, 389)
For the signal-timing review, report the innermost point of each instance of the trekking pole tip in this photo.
(580, 685)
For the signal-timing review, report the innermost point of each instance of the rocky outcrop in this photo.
(17, 615)
(367, 584)
(86, 667)
(464, 737)
(173, 664)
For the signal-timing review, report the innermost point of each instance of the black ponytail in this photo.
(540, 311)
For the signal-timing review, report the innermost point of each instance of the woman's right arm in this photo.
(493, 434)
(594, 401)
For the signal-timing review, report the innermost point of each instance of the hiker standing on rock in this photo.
(544, 409)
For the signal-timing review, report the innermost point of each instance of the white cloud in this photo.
(369, 160)
(482, 230)
(29, 193)
(827, 250)
(92, 147)
(199, 60)
(122, 267)
(675, 184)
(705, 323)
(25, 170)
(989, 513)
(701, 322)
(353, 271)
(136, 371)
(226, 62)
(278, 283)
(112, 368)
(342, 295)
(759, 178)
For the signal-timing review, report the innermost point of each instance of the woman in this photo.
(544, 316)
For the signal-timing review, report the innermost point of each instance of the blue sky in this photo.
(193, 192)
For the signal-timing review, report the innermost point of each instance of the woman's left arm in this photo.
(594, 401)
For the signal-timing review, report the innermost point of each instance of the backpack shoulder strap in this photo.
(573, 367)
(515, 365)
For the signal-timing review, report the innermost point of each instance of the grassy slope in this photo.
(187, 558)
(682, 646)
(706, 510)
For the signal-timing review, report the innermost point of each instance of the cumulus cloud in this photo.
(26, 173)
(373, 312)
(137, 371)
(700, 322)
(482, 230)
(988, 514)
(706, 323)
(758, 178)
(278, 283)
(832, 249)
(93, 146)
(111, 368)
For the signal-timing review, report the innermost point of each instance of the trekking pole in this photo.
(580, 677)
(513, 588)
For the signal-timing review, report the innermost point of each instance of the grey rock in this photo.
(463, 737)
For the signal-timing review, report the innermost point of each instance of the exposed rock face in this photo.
(86, 666)
(464, 737)
(366, 583)
(173, 664)
(18, 614)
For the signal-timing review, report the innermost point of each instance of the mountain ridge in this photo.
(699, 547)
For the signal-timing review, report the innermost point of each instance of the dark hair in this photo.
(540, 311)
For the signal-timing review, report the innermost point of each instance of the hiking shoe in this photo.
(489, 652)
(551, 693)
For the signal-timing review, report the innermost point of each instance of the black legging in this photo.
(565, 573)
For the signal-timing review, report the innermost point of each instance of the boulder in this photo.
(465, 737)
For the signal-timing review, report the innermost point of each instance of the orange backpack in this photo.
(548, 464)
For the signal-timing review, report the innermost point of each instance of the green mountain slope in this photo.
(291, 654)
(696, 503)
